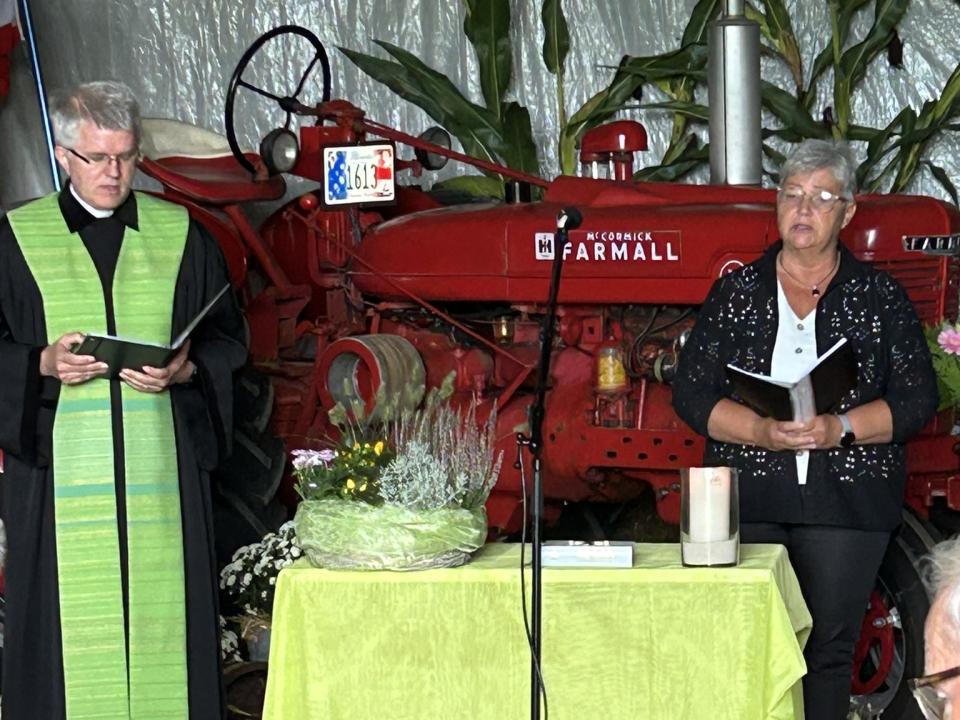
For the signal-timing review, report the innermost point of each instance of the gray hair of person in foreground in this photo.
(107, 104)
(942, 576)
(812, 155)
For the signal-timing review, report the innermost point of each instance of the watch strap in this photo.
(847, 436)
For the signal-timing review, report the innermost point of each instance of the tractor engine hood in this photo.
(642, 242)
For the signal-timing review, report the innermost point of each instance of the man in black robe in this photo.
(97, 131)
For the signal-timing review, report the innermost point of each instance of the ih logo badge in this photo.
(543, 246)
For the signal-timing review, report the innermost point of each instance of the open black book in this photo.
(813, 390)
(120, 353)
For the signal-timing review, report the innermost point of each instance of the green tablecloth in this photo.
(658, 641)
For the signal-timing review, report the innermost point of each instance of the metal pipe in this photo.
(734, 98)
(734, 8)
(27, 25)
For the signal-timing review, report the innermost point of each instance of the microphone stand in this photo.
(567, 219)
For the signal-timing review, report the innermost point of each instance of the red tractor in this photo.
(350, 303)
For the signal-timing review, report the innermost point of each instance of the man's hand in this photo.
(154, 380)
(58, 361)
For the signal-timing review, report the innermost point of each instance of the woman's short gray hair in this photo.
(941, 574)
(106, 104)
(812, 155)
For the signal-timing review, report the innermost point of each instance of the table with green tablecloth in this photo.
(656, 641)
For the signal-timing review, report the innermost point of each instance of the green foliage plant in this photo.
(500, 130)
(894, 153)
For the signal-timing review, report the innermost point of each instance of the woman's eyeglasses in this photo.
(932, 702)
(105, 159)
(821, 200)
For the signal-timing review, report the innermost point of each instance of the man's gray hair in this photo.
(107, 104)
(942, 576)
(812, 155)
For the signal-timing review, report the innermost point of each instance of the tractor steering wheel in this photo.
(288, 103)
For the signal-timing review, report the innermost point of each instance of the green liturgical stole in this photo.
(100, 679)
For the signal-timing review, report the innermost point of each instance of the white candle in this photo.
(709, 504)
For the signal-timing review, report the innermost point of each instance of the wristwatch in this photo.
(847, 438)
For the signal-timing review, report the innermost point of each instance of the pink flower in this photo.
(312, 458)
(949, 340)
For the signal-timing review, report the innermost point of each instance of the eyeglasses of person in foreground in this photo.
(821, 201)
(105, 159)
(932, 701)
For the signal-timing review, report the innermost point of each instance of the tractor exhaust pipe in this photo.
(733, 93)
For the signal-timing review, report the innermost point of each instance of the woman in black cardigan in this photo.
(829, 489)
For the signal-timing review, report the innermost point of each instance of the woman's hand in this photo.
(823, 432)
(735, 423)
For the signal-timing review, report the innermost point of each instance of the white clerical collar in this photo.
(96, 212)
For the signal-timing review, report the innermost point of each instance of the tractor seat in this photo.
(198, 164)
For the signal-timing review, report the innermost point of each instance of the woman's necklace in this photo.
(815, 288)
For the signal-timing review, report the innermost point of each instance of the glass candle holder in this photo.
(709, 516)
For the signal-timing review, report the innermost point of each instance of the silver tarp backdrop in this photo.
(178, 55)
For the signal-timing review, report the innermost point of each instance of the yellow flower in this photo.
(356, 446)
(363, 487)
(378, 448)
(366, 446)
(351, 484)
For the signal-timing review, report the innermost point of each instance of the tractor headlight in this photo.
(280, 150)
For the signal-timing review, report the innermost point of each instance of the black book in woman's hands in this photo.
(120, 353)
(813, 390)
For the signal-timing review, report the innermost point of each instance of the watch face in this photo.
(846, 440)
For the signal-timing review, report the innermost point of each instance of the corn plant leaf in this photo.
(694, 111)
(694, 35)
(941, 175)
(930, 120)
(776, 27)
(487, 27)
(701, 16)
(855, 60)
(775, 155)
(556, 40)
(556, 45)
(631, 74)
(676, 165)
(686, 148)
(688, 61)
(593, 112)
(518, 137)
(846, 11)
(469, 186)
(478, 129)
(789, 111)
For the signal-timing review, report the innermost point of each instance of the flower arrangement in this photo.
(349, 473)
(229, 643)
(944, 343)
(403, 493)
(248, 582)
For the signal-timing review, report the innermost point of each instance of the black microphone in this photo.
(569, 219)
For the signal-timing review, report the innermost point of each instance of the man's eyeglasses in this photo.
(932, 702)
(104, 159)
(821, 201)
